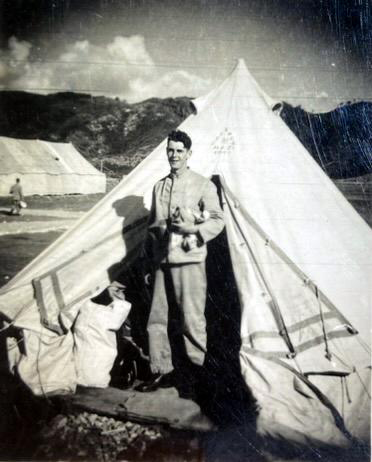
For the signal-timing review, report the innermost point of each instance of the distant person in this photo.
(17, 193)
(185, 215)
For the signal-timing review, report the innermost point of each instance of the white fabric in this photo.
(351, 395)
(43, 359)
(263, 279)
(289, 409)
(47, 168)
(48, 365)
(95, 341)
(273, 178)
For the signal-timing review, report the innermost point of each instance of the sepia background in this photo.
(113, 77)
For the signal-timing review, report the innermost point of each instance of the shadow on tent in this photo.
(226, 400)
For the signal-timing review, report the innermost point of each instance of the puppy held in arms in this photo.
(186, 241)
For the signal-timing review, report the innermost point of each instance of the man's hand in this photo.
(184, 228)
(116, 291)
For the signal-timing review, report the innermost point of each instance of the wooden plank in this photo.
(163, 406)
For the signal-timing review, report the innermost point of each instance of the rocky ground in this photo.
(86, 436)
(70, 435)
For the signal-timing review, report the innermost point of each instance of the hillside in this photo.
(102, 129)
(340, 140)
(120, 135)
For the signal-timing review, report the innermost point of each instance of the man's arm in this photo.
(215, 224)
(210, 228)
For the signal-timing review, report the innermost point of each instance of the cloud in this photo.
(121, 68)
(174, 83)
(13, 61)
(19, 50)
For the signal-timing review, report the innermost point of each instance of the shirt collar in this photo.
(179, 173)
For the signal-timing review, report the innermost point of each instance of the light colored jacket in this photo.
(17, 192)
(189, 195)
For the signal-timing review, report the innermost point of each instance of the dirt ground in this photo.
(17, 250)
(24, 237)
(34, 431)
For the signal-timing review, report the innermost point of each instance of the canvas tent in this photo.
(47, 168)
(301, 261)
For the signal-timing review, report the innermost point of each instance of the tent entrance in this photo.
(229, 398)
(227, 401)
(223, 312)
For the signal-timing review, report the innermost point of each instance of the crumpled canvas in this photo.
(95, 341)
(48, 365)
(289, 409)
(43, 359)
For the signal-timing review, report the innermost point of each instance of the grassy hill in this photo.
(120, 134)
(102, 129)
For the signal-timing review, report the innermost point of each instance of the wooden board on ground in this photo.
(163, 406)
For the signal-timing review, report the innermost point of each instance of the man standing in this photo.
(17, 193)
(185, 215)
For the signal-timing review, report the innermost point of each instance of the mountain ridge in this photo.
(117, 135)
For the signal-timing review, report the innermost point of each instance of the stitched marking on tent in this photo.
(299, 348)
(224, 144)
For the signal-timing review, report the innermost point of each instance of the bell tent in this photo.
(47, 168)
(300, 256)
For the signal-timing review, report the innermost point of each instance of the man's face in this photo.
(177, 155)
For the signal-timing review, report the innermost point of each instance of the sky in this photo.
(313, 53)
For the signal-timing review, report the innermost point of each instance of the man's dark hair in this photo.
(18, 180)
(178, 135)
